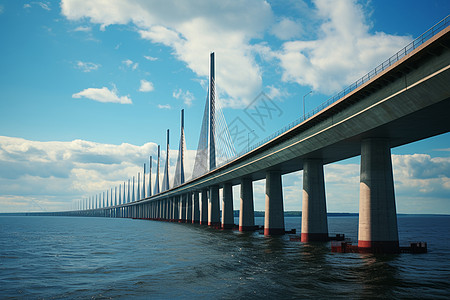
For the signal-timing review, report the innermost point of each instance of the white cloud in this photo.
(103, 95)
(51, 175)
(344, 51)
(193, 31)
(186, 96)
(2, 9)
(87, 66)
(287, 29)
(83, 29)
(276, 93)
(164, 106)
(131, 64)
(44, 5)
(150, 58)
(146, 86)
(128, 62)
(46, 173)
(36, 176)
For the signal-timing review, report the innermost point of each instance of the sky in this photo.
(89, 88)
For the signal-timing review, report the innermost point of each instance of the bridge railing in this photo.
(380, 68)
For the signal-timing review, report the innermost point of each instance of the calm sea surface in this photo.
(101, 258)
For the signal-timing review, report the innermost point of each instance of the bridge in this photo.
(403, 100)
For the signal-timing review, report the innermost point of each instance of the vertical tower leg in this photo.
(213, 206)
(227, 206)
(314, 207)
(247, 213)
(274, 214)
(204, 208)
(378, 230)
(196, 210)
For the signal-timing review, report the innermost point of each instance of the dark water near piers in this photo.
(101, 258)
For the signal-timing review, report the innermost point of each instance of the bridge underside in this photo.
(408, 129)
(410, 115)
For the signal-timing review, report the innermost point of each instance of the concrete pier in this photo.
(195, 208)
(213, 206)
(189, 207)
(227, 206)
(183, 208)
(377, 212)
(176, 208)
(314, 209)
(247, 212)
(274, 212)
(204, 208)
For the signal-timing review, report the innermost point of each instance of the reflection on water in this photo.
(45, 257)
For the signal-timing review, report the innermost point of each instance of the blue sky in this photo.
(88, 88)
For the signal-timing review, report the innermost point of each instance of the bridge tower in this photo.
(212, 121)
(143, 184)
(150, 176)
(165, 183)
(156, 189)
(182, 144)
(179, 170)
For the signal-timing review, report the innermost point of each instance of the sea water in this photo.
(102, 258)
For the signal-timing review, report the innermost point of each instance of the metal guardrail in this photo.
(380, 68)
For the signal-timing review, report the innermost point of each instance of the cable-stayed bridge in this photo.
(405, 99)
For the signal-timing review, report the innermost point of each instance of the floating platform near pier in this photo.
(348, 247)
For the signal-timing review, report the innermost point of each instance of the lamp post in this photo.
(304, 114)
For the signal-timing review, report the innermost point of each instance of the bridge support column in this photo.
(204, 208)
(314, 207)
(176, 207)
(189, 207)
(183, 208)
(213, 206)
(247, 213)
(170, 201)
(168, 209)
(377, 230)
(180, 208)
(227, 206)
(274, 213)
(160, 210)
(196, 209)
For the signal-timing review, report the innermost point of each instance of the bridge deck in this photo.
(407, 102)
